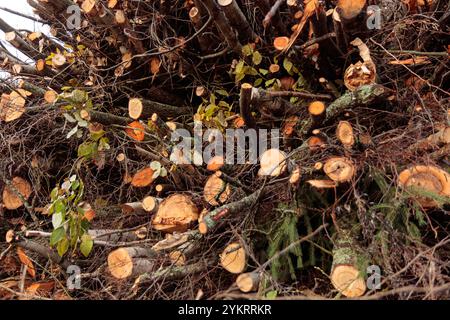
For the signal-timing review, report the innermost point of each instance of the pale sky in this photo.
(17, 21)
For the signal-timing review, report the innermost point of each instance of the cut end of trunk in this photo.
(175, 213)
(50, 96)
(322, 184)
(120, 263)
(224, 3)
(10, 199)
(136, 131)
(216, 191)
(120, 17)
(359, 74)
(295, 176)
(58, 60)
(135, 108)
(281, 43)
(150, 204)
(40, 65)
(273, 163)
(215, 163)
(339, 169)
(429, 178)
(248, 282)
(347, 280)
(344, 133)
(12, 106)
(349, 9)
(143, 178)
(315, 143)
(316, 108)
(274, 68)
(233, 258)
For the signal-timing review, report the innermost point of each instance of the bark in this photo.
(222, 24)
(237, 20)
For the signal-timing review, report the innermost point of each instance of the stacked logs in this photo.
(135, 76)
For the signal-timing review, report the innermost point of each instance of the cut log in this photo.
(132, 208)
(215, 163)
(344, 133)
(15, 193)
(295, 176)
(120, 17)
(12, 106)
(216, 191)
(107, 119)
(339, 169)
(178, 258)
(143, 178)
(129, 262)
(280, 43)
(59, 61)
(272, 163)
(316, 143)
(136, 131)
(175, 213)
(146, 108)
(274, 68)
(248, 282)
(88, 6)
(195, 16)
(429, 178)
(213, 218)
(435, 140)
(317, 111)
(224, 27)
(245, 100)
(233, 258)
(352, 14)
(151, 204)
(322, 184)
(345, 275)
(160, 126)
(237, 20)
(114, 237)
(50, 96)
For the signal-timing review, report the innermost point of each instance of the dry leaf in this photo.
(26, 261)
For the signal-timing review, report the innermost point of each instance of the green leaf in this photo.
(258, 82)
(287, 64)
(79, 96)
(239, 67)
(247, 50)
(60, 206)
(54, 194)
(72, 132)
(57, 219)
(57, 235)
(69, 118)
(250, 71)
(155, 165)
(269, 82)
(256, 58)
(87, 149)
(222, 92)
(163, 172)
(86, 244)
(271, 294)
(239, 76)
(263, 71)
(62, 246)
(103, 144)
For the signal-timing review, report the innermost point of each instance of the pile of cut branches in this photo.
(105, 197)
